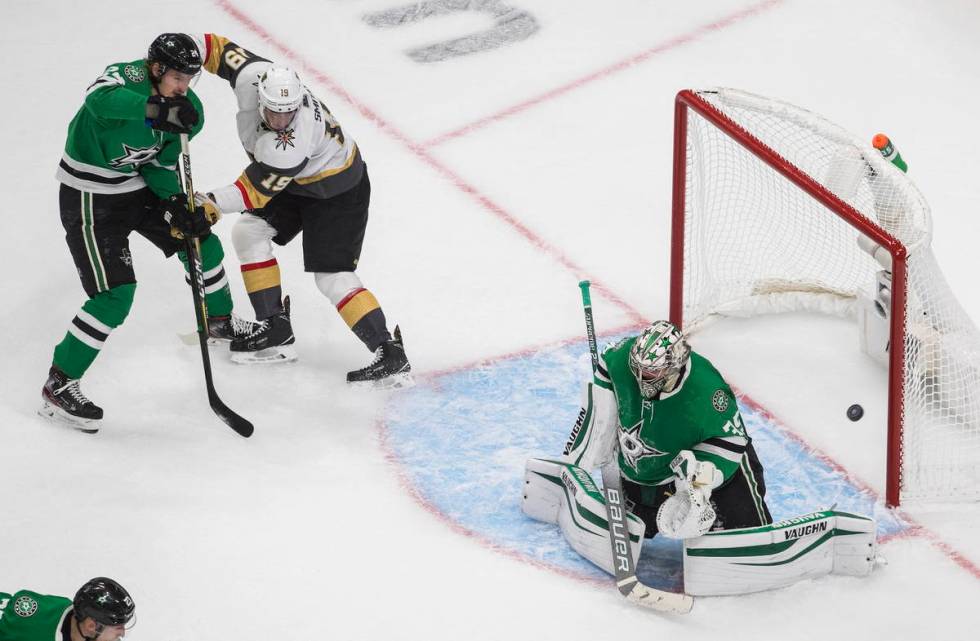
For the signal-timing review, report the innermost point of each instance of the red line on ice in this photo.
(428, 159)
(913, 528)
(611, 70)
(488, 204)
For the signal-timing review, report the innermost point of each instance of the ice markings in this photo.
(462, 440)
(510, 25)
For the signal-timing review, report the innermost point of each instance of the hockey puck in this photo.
(855, 412)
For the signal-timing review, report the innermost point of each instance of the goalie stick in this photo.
(193, 247)
(612, 489)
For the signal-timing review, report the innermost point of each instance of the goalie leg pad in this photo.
(562, 493)
(593, 440)
(777, 555)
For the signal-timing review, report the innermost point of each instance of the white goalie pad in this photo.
(592, 442)
(777, 555)
(565, 494)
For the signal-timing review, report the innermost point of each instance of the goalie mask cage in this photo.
(769, 201)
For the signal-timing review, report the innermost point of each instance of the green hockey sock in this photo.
(91, 327)
(217, 294)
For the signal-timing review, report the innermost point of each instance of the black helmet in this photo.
(105, 601)
(176, 51)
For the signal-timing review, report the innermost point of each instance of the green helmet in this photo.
(657, 358)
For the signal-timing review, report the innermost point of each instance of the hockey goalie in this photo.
(689, 471)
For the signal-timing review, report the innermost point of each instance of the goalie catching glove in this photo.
(688, 513)
(184, 222)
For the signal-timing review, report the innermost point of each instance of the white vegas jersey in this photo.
(311, 157)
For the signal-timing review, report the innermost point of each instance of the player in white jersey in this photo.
(305, 175)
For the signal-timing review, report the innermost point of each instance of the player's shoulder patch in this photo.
(135, 73)
(719, 400)
(25, 606)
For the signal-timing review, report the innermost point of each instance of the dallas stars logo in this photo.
(633, 447)
(285, 138)
(25, 606)
(135, 156)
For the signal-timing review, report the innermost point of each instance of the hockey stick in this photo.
(193, 247)
(612, 489)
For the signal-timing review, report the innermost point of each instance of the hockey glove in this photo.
(689, 513)
(176, 115)
(211, 210)
(182, 222)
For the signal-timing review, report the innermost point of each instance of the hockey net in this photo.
(769, 203)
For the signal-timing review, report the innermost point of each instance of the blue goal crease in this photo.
(463, 443)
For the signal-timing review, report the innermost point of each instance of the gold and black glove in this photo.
(184, 222)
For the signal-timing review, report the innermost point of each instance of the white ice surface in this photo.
(475, 245)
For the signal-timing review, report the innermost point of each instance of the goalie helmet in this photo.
(280, 90)
(657, 358)
(104, 601)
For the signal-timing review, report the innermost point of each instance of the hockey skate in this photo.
(390, 368)
(271, 341)
(63, 402)
(223, 330)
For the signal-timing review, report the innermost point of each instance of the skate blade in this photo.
(191, 339)
(395, 381)
(281, 354)
(60, 416)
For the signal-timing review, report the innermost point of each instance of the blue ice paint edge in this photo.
(463, 440)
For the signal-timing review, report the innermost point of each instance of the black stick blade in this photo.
(233, 420)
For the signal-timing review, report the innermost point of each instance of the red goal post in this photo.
(768, 201)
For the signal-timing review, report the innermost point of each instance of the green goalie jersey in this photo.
(700, 414)
(110, 148)
(29, 616)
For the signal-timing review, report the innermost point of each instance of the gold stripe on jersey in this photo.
(215, 48)
(332, 171)
(254, 199)
(226, 59)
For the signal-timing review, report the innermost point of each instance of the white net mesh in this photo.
(757, 243)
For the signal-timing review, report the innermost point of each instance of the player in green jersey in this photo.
(118, 176)
(663, 416)
(684, 454)
(668, 419)
(101, 611)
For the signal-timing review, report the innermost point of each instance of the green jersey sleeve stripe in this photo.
(736, 444)
(722, 453)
